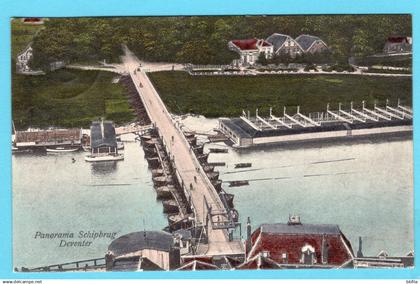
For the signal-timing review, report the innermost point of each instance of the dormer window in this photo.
(308, 255)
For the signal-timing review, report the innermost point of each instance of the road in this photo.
(185, 161)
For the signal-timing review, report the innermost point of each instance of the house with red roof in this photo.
(250, 49)
(398, 44)
(297, 245)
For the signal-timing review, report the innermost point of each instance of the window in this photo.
(284, 257)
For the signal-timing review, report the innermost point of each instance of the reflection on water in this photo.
(103, 168)
(53, 194)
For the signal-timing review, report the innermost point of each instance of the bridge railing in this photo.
(213, 192)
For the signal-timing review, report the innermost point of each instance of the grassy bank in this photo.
(228, 96)
(68, 98)
(22, 34)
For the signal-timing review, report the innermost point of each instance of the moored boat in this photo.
(243, 165)
(104, 158)
(62, 150)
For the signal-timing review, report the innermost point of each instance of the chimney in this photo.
(324, 250)
(359, 252)
(248, 235)
(294, 220)
(109, 261)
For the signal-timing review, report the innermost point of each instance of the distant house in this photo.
(311, 44)
(33, 21)
(297, 245)
(250, 49)
(22, 60)
(284, 44)
(398, 44)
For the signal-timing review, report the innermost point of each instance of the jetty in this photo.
(350, 122)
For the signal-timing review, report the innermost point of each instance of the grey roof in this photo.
(136, 241)
(102, 134)
(277, 40)
(244, 130)
(305, 41)
(301, 229)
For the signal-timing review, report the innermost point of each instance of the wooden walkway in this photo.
(203, 194)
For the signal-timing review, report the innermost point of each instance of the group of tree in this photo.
(204, 39)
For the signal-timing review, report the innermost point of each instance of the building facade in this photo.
(250, 49)
(311, 44)
(284, 45)
(298, 245)
(398, 44)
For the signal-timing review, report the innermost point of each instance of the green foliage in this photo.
(204, 39)
(262, 60)
(22, 34)
(216, 96)
(67, 98)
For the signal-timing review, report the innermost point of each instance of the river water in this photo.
(365, 188)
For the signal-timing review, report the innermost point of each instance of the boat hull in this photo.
(104, 158)
(52, 150)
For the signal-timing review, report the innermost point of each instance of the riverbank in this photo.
(68, 98)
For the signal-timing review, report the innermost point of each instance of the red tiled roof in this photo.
(248, 44)
(291, 243)
(397, 39)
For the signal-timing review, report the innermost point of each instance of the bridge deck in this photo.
(185, 161)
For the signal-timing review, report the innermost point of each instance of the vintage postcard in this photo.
(188, 143)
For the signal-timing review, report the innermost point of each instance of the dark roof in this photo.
(102, 134)
(48, 135)
(136, 241)
(305, 41)
(300, 229)
(277, 40)
(249, 44)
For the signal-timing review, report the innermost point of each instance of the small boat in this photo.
(238, 183)
(104, 158)
(217, 185)
(170, 206)
(164, 192)
(202, 158)
(243, 165)
(218, 150)
(62, 150)
(213, 175)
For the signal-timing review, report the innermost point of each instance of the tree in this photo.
(262, 59)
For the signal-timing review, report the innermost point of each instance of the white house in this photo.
(250, 49)
(22, 60)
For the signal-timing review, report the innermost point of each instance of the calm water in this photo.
(53, 195)
(365, 188)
